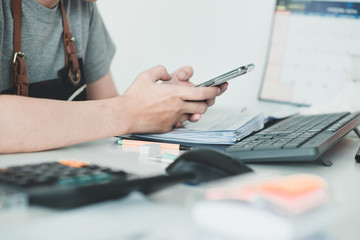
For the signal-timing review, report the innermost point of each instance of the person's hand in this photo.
(153, 107)
(182, 77)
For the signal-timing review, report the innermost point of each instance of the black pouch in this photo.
(60, 89)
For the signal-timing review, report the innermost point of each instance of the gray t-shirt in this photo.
(42, 40)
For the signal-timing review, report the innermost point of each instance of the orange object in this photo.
(294, 194)
(294, 185)
(73, 163)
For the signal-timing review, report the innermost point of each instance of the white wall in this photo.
(213, 36)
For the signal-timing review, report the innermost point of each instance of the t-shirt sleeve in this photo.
(100, 49)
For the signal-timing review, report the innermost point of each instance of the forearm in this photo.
(102, 88)
(30, 124)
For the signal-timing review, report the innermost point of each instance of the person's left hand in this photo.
(182, 77)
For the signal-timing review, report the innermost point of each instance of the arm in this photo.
(30, 124)
(102, 88)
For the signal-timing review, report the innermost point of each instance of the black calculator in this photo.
(70, 183)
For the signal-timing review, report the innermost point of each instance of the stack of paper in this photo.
(216, 127)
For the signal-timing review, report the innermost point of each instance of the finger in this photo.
(178, 125)
(199, 94)
(183, 74)
(210, 102)
(156, 73)
(181, 119)
(194, 107)
(195, 117)
(223, 87)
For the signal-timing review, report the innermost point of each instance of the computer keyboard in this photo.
(297, 138)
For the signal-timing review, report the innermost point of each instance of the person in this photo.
(66, 41)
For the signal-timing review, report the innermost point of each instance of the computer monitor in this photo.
(314, 50)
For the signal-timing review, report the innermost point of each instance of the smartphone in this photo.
(227, 76)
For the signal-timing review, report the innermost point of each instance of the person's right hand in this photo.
(155, 108)
(182, 77)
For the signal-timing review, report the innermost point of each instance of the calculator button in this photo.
(84, 179)
(67, 181)
(118, 173)
(91, 166)
(101, 177)
(43, 180)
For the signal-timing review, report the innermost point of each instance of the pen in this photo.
(137, 143)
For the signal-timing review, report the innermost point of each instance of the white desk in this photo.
(343, 178)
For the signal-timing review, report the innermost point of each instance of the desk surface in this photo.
(342, 178)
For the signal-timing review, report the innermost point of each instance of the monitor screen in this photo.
(314, 50)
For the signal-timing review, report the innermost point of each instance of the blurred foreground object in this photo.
(283, 207)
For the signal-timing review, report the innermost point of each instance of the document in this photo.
(215, 127)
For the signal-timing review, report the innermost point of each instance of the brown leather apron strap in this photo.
(70, 50)
(19, 76)
(16, 4)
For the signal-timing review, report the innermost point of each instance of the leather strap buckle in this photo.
(77, 76)
(72, 39)
(20, 54)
